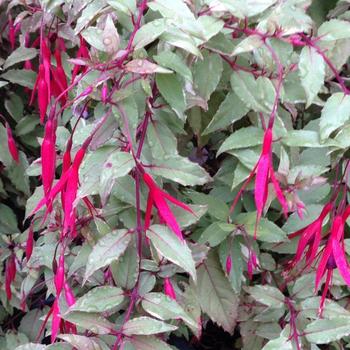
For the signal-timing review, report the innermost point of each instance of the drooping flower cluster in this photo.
(329, 257)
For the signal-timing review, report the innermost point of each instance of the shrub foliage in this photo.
(169, 163)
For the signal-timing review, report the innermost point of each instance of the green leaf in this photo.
(19, 55)
(305, 138)
(334, 29)
(323, 331)
(215, 294)
(169, 245)
(230, 110)
(83, 343)
(150, 342)
(89, 12)
(94, 322)
(146, 326)
(215, 233)
(207, 73)
(282, 342)
(21, 77)
(173, 61)
(8, 220)
(311, 72)
(99, 299)
(125, 6)
(180, 170)
(310, 308)
(161, 306)
(267, 231)
(335, 113)
(143, 66)
(242, 138)
(257, 94)
(171, 89)
(107, 249)
(267, 295)
(118, 164)
(31, 346)
(246, 8)
(150, 32)
(248, 44)
(125, 269)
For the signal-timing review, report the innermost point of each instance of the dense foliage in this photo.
(169, 164)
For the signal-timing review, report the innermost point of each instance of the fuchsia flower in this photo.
(10, 275)
(30, 242)
(157, 197)
(332, 255)
(11, 144)
(264, 174)
(48, 155)
(310, 239)
(169, 289)
(83, 53)
(59, 81)
(43, 83)
(13, 30)
(228, 264)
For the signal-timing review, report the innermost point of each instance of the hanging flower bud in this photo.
(10, 275)
(169, 289)
(48, 156)
(228, 264)
(12, 35)
(104, 92)
(30, 243)
(158, 198)
(69, 294)
(56, 321)
(11, 144)
(59, 275)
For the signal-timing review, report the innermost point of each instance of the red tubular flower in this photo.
(104, 92)
(48, 156)
(158, 198)
(59, 82)
(43, 92)
(265, 174)
(10, 275)
(30, 243)
(310, 236)
(11, 144)
(228, 264)
(69, 294)
(169, 289)
(83, 52)
(12, 34)
(56, 321)
(46, 58)
(59, 275)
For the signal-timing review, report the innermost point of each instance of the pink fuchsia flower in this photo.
(10, 275)
(228, 264)
(169, 289)
(157, 197)
(83, 52)
(11, 144)
(48, 156)
(264, 174)
(310, 238)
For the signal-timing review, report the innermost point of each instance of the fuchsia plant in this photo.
(134, 227)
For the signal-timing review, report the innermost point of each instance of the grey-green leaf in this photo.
(99, 299)
(169, 245)
(107, 249)
(335, 113)
(146, 326)
(215, 294)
